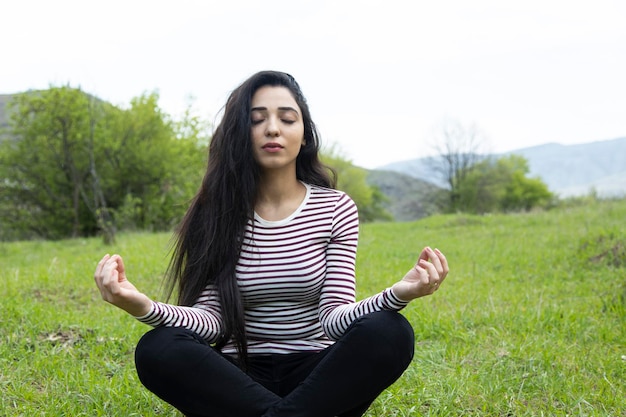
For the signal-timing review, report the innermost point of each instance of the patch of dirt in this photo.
(614, 256)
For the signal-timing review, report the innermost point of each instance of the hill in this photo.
(568, 170)
(408, 198)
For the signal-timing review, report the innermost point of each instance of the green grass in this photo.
(530, 322)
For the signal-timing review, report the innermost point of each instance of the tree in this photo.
(482, 188)
(139, 162)
(458, 149)
(46, 166)
(501, 184)
(76, 166)
(521, 192)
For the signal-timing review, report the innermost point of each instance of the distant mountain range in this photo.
(568, 170)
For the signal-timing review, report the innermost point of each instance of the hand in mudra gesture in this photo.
(425, 277)
(115, 288)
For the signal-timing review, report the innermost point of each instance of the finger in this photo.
(433, 279)
(444, 263)
(121, 269)
(438, 259)
(109, 274)
(431, 270)
(434, 258)
(420, 267)
(106, 279)
(98, 271)
(425, 253)
(428, 254)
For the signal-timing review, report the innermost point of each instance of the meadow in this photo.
(530, 321)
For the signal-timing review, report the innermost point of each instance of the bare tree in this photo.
(457, 149)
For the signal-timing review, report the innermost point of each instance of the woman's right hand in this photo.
(110, 277)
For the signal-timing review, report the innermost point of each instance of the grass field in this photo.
(530, 322)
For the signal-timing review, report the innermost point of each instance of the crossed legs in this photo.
(343, 380)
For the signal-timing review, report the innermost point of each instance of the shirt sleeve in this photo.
(204, 317)
(338, 307)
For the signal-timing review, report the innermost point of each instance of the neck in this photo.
(278, 196)
(275, 188)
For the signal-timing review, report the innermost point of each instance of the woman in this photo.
(266, 322)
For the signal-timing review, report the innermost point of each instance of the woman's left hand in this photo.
(424, 278)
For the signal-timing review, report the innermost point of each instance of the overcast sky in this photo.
(381, 77)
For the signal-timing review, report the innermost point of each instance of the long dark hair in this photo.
(209, 238)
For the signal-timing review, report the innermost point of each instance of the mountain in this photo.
(575, 170)
(568, 170)
(409, 198)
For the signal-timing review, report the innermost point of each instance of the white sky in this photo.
(380, 76)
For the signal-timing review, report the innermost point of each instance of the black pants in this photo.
(342, 380)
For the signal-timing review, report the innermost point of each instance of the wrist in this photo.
(139, 307)
(401, 295)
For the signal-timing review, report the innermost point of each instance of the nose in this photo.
(272, 129)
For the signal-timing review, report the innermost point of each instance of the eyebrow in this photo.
(287, 108)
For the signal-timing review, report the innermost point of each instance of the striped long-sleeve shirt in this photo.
(297, 281)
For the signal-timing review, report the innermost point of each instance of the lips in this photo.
(272, 147)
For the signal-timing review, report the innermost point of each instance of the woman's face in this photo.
(277, 128)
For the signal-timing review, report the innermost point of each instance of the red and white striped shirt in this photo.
(297, 281)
